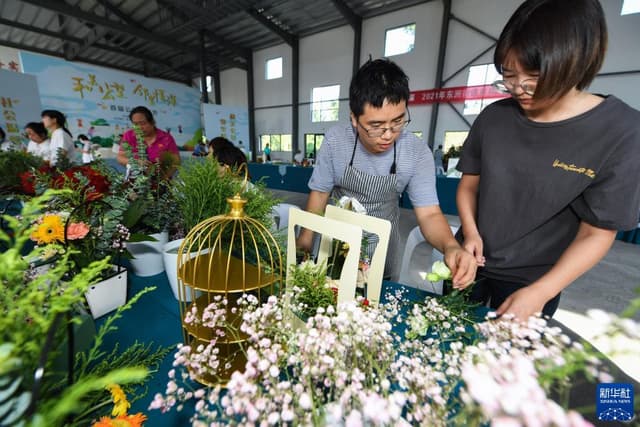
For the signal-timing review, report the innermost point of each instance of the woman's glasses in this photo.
(528, 86)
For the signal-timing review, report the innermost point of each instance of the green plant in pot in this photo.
(200, 191)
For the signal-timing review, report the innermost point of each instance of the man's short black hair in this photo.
(375, 82)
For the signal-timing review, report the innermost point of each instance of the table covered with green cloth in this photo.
(155, 319)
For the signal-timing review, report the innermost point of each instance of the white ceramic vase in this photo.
(148, 255)
(170, 258)
(109, 294)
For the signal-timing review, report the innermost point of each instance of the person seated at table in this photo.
(61, 139)
(39, 142)
(550, 173)
(200, 150)
(374, 159)
(160, 147)
(231, 156)
(298, 157)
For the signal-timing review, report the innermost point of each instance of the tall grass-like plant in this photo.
(202, 188)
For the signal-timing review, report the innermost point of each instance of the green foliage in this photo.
(12, 164)
(314, 292)
(32, 308)
(202, 188)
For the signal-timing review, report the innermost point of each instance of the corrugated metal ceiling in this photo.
(161, 38)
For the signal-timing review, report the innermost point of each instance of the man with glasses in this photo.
(374, 159)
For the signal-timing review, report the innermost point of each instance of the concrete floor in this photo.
(609, 286)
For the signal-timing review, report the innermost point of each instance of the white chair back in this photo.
(411, 277)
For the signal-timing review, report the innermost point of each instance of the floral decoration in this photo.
(119, 413)
(355, 365)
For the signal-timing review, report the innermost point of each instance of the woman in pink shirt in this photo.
(157, 141)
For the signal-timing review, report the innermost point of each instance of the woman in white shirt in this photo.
(39, 143)
(61, 138)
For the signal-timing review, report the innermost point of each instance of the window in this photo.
(417, 133)
(312, 143)
(325, 103)
(276, 142)
(454, 138)
(273, 68)
(480, 75)
(630, 6)
(208, 79)
(399, 40)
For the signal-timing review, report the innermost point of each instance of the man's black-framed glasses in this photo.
(528, 86)
(377, 132)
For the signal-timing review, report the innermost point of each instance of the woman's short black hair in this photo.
(38, 128)
(142, 110)
(230, 156)
(375, 82)
(564, 41)
(218, 143)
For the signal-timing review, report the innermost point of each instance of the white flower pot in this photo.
(148, 255)
(170, 258)
(109, 294)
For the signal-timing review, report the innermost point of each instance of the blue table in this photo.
(295, 178)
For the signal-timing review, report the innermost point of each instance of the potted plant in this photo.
(150, 209)
(200, 191)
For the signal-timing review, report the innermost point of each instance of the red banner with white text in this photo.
(455, 94)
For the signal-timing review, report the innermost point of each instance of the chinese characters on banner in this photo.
(110, 91)
(19, 104)
(229, 122)
(454, 94)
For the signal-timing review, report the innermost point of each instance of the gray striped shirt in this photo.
(414, 164)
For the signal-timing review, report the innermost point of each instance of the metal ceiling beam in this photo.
(96, 34)
(63, 8)
(355, 21)
(444, 36)
(200, 15)
(81, 59)
(117, 12)
(72, 39)
(289, 38)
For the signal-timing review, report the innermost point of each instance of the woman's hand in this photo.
(473, 244)
(523, 303)
(463, 266)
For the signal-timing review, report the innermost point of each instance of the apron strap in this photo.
(392, 169)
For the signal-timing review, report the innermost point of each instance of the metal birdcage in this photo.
(226, 256)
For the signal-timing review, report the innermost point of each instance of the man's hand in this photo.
(462, 264)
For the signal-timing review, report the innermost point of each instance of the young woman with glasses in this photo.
(374, 159)
(550, 173)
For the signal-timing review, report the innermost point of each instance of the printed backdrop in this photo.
(229, 122)
(97, 100)
(19, 104)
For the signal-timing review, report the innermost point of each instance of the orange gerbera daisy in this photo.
(50, 230)
(135, 420)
